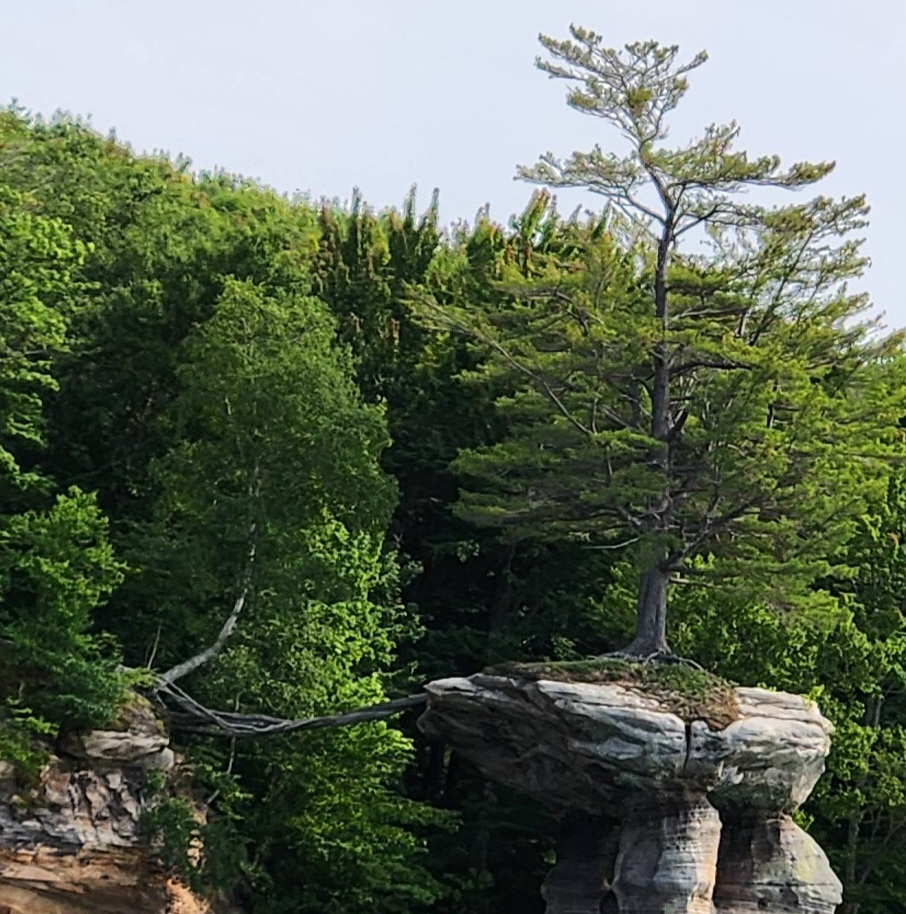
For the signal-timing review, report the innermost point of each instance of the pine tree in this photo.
(682, 405)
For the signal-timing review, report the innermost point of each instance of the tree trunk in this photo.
(651, 616)
(849, 876)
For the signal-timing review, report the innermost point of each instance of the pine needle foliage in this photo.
(682, 401)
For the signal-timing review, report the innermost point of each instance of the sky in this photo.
(321, 96)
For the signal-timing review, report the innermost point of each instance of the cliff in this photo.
(667, 805)
(72, 842)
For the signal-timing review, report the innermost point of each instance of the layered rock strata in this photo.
(659, 815)
(71, 843)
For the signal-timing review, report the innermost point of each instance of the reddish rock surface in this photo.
(72, 843)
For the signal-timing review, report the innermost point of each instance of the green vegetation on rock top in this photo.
(690, 693)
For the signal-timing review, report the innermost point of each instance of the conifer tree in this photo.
(681, 402)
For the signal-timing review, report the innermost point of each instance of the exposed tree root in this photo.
(665, 657)
(193, 717)
(190, 716)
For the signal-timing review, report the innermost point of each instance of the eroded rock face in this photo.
(668, 856)
(73, 807)
(772, 866)
(46, 880)
(660, 816)
(72, 843)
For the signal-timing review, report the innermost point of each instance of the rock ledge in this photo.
(658, 814)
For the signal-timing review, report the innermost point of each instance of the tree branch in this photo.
(229, 626)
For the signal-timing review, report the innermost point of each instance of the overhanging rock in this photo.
(660, 815)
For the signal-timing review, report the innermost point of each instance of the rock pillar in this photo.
(668, 857)
(773, 866)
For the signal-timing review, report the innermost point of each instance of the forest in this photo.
(357, 450)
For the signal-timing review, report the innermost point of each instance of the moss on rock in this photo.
(690, 693)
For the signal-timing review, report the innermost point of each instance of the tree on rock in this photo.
(695, 381)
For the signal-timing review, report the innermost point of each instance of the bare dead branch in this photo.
(229, 626)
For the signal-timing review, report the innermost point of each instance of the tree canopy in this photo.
(286, 459)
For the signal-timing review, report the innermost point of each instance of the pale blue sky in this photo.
(324, 95)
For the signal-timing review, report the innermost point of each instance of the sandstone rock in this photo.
(589, 746)
(656, 788)
(668, 857)
(773, 866)
(574, 746)
(112, 745)
(75, 808)
(139, 733)
(100, 881)
(72, 844)
(164, 760)
(771, 758)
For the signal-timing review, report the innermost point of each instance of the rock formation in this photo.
(659, 814)
(71, 843)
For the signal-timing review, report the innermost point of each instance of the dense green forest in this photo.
(390, 451)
